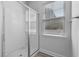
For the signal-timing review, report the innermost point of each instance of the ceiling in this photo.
(37, 5)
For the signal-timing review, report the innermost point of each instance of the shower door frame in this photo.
(3, 29)
(37, 29)
(28, 40)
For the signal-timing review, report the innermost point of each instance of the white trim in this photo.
(53, 18)
(35, 53)
(27, 6)
(64, 36)
(51, 53)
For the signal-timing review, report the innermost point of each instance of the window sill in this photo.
(63, 36)
(54, 18)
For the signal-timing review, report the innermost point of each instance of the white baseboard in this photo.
(51, 53)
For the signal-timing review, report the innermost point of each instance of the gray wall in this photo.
(59, 45)
(1, 22)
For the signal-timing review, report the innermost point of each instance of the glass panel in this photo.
(16, 43)
(33, 31)
(55, 9)
(54, 21)
(54, 27)
(32, 22)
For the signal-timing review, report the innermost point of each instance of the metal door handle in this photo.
(76, 17)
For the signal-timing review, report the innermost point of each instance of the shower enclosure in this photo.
(18, 29)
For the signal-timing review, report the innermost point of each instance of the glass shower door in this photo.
(16, 36)
(33, 32)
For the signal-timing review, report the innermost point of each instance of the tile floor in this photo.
(40, 54)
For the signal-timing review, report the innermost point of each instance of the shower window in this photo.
(54, 18)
